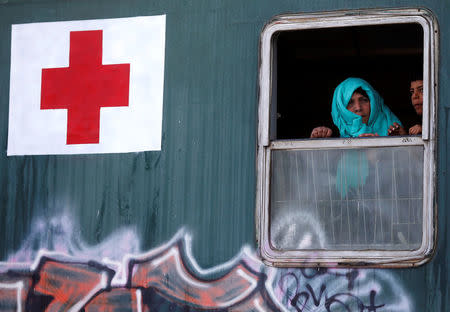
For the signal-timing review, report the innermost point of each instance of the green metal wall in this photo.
(204, 176)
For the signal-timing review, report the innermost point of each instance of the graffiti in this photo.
(325, 289)
(110, 277)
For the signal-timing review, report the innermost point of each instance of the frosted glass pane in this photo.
(354, 199)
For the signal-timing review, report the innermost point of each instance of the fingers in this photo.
(321, 132)
(365, 135)
(419, 129)
(415, 130)
(317, 133)
(394, 129)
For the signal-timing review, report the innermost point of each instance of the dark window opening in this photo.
(311, 63)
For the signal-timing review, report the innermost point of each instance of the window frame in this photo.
(267, 95)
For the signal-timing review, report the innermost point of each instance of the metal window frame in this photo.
(334, 258)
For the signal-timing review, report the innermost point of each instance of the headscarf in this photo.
(350, 124)
(352, 171)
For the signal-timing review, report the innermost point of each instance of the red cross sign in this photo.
(85, 86)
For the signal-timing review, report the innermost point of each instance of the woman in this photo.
(359, 111)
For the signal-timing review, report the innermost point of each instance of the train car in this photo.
(224, 155)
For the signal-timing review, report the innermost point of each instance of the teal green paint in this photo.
(204, 177)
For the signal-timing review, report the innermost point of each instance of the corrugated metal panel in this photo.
(204, 177)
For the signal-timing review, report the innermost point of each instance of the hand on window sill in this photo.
(415, 130)
(321, 132)
(396, 129)
(365, 135)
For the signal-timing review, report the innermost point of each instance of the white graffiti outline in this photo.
(19, 286)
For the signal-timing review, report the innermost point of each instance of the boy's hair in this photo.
(416, 76)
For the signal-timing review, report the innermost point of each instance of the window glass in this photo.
(347, 199)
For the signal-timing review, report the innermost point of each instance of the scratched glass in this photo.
(354, 199)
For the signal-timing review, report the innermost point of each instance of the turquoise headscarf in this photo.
(351, 125)
(352, 171)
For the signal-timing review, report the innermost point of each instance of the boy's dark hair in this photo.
(416, 76)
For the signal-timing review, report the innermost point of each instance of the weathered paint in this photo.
(204, 177)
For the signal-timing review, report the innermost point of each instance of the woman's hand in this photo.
(321, 132)
(415, 130)
(365, 135)
(396, 129)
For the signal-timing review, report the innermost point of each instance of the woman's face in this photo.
(360, 105)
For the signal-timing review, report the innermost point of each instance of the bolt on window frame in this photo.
(267, 98)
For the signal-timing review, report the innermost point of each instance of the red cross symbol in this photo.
(85, 86)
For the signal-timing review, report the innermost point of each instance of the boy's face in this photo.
(416, 92)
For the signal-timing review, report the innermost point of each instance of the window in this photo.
(345, 201)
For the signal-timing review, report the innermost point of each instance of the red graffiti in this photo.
(178, 283)
(69, 283)
(155, 281)
(115, 300)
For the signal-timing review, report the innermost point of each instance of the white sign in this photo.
(81, 87)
